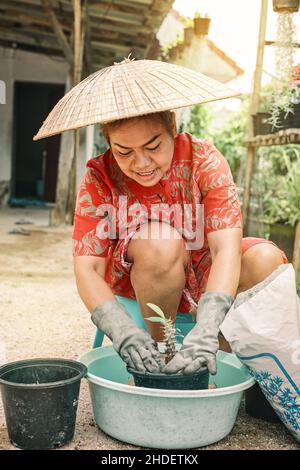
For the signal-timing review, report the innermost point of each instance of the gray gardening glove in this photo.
(201, 344)
(134, 345)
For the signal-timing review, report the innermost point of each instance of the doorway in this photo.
(35, 164)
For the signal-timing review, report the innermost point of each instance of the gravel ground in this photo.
(43, 316)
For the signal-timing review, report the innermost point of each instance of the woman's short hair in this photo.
(165, 117)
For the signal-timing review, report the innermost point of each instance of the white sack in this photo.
(263, 329)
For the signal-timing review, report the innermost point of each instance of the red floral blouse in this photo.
(110, 206)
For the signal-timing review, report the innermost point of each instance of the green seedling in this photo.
(169, 330)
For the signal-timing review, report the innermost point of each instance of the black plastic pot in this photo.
(197, 381)
(294, 118)
(40, 399)
(260, 124)
(257, 405)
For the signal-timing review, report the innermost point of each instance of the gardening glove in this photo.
(201, 344)
(134, 345)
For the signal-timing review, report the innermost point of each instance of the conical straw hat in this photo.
(130, 88)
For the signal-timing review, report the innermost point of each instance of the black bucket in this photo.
(196, 381)
(257, 405)
(40, 399)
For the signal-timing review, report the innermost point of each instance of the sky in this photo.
(234, 28)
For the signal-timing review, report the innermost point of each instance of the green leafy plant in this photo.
(285, 92)
(179, 39)
(266, 98)
(278, 180)
(198, 15)
(282, 104)
(200, 121)
(169, 330)
(188, 22)
(288, 193)
(229, 138)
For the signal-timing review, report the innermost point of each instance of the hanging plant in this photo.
(286, 6)
(286, 92)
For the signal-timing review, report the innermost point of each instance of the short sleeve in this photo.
(90, 236)
(219, 194)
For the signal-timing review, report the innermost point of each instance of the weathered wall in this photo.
(17, 65)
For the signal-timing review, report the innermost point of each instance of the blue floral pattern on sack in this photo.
(284, 401)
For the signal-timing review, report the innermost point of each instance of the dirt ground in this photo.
(43, 316)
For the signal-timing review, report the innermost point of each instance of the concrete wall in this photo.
(17, 65)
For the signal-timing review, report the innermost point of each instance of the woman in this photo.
(151, 257)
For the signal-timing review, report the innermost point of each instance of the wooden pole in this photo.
(77, 40)
(296, 253)
(251, 151)
(78, 56)
(63, 211)
(58, 214)
(88, 38)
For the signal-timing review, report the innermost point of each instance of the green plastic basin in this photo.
(164, 419)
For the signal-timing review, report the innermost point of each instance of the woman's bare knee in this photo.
(157, 231)
(159, 246)
(258, 262)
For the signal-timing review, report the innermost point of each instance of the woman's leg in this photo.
(157, 274)
(258, 262)
(158, 270)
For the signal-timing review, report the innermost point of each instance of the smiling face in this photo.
(143, 148)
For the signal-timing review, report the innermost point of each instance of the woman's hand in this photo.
(200, 346)
(134, 345)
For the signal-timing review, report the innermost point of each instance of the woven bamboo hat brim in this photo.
(131, 88)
